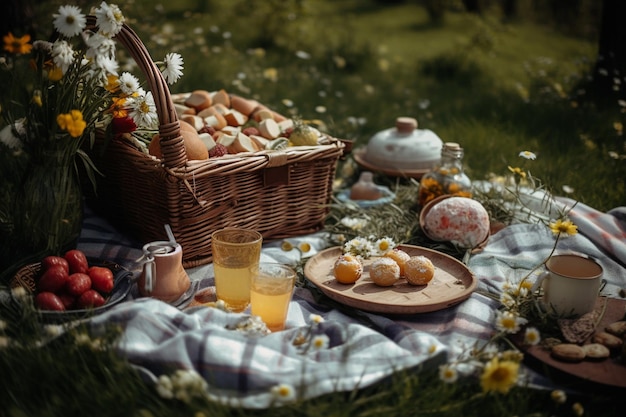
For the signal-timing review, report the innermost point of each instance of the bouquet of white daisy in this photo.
(56, 93)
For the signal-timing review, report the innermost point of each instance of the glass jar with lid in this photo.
(448, 178)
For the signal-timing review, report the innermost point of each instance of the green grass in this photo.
(492, 87)
(497, 89)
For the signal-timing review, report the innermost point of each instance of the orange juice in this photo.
(232, 285)
(270, 294)
(235, 251)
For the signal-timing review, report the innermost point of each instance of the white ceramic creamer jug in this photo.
(163, 275)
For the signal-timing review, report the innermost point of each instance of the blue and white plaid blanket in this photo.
(363, 348)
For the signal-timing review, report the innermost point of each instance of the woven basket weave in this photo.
(281, 194)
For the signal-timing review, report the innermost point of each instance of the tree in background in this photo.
(610, 68)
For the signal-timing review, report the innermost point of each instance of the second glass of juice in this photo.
(270, 294)
(235, 252)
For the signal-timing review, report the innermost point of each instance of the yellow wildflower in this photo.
(518, 172)
(55, 73)
(117, 108)
(563, 226)
(113, 83)
(37, 98)
(19, 45)
(499, 375)
(72, 122)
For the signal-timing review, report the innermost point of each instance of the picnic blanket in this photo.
(363, 348)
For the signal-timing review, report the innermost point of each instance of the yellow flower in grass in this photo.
(563, 227)
(72, 122)
(15, 45)
(499, 375)
(517, 172)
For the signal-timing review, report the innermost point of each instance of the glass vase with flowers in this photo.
(56, 94)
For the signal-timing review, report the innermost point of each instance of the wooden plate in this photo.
(453, 282)
(609, 372)
(359, 157)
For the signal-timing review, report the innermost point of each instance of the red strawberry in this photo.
(78, 283)
(90, 299)
(49, 301)
(101, 279)
(53, 279)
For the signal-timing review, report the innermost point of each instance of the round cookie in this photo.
(384, 272)
(617, 328)
(607, 339)
(400, 257)
(596, 352)
(347, 269)
(568, 352)
(419, 270)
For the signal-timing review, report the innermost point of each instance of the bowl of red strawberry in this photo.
(72, 287)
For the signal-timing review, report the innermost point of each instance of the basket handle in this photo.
(172, 144)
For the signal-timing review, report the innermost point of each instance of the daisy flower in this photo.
(499, 375)
(143, 111)
(507, 299)
(164, 387)
(509, 322)
(448, 374)
(284, 392)
(129, 84)
(320, 342)
(384, 245)
(109, 19)
(69, 21)
(358, 247)
(560, 227)
(10, 135)
(528, 155)
(578, 409)
(353, 223)
(316, 319)
(19, 293)
(558, 396)
(62, 55)
(99, 45)
(532, 336)
(286, 246)
(173, 63)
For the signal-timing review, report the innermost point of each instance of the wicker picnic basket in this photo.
(281, 194)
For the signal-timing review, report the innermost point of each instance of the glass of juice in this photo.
(235, 252)
(270, 294)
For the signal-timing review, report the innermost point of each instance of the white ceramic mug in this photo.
(571, 284)
(163, 275)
